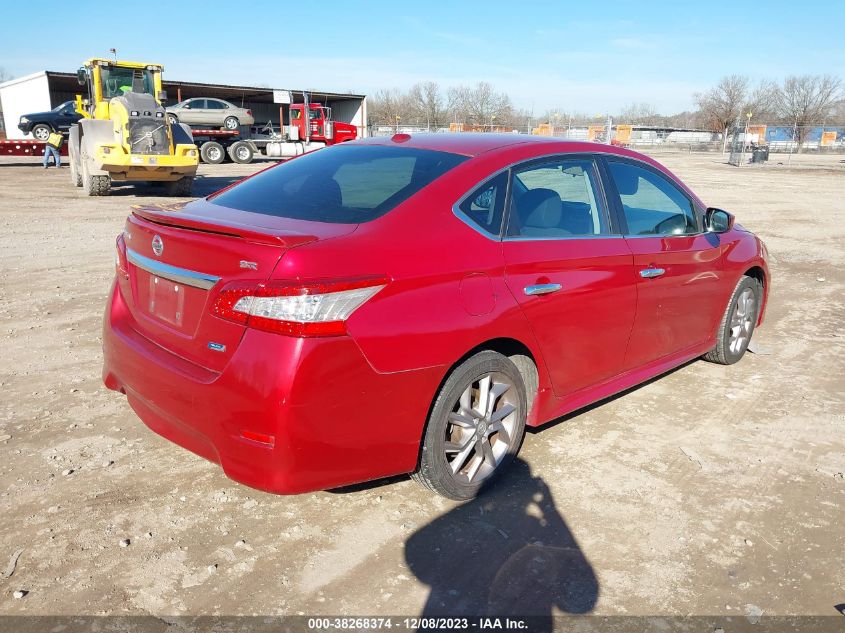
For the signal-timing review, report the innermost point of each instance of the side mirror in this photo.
(718, 220)
(82, 76)
(162, 95)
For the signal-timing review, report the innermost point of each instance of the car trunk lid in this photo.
(179, 257)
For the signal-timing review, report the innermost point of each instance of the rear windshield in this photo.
(341, 184)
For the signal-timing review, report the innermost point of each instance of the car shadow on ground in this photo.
(509, 552)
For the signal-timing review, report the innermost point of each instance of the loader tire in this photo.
(94, 185)
(181, 187)
(73, 157)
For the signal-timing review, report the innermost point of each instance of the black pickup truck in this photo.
(59, 119)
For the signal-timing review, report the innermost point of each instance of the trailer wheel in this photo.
(94, 185)
(41, 132)
(241, 152)
(211, 152)
(231, 123)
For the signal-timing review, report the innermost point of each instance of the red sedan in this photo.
(410, 304)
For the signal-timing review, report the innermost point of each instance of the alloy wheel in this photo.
(742, 320)
(481, 428)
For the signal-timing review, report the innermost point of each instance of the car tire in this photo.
(41, 132)
(94, 185)
(481, 443)
(181, 187)
(212, 152)
(737, 324)
(241, 152)
(231, 123)
(172, 119)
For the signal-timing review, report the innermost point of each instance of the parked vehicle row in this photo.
(411, 304)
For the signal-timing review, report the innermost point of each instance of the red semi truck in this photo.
(300, 137)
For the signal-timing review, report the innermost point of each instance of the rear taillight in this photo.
(249, 112)
(314, 308)
(120, 257)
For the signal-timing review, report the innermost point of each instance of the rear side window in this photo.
(485, 206)
(343, 184)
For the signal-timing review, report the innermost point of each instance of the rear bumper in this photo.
(333, 419)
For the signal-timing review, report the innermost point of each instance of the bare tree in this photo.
(838, 116)
(426, 101)
(480, 105)
(806, 99)
(388, 107)
(762, 101)
(722, 105)
(640, 114)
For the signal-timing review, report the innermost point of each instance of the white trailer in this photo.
(22, 96)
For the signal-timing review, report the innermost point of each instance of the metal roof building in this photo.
(46, 89)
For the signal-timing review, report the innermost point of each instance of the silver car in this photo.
(211, 112)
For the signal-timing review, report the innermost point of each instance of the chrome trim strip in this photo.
(173, 273)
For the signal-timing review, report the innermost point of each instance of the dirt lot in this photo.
(712, 490)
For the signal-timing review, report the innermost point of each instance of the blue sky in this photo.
(591, 57)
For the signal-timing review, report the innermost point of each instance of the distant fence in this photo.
(779, 138)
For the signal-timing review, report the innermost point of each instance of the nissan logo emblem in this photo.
(158, 245)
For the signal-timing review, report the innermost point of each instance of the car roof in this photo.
(475, 143)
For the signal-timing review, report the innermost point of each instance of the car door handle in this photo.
(649, 273)
(541, 289)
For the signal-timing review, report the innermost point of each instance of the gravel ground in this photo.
(711, 490)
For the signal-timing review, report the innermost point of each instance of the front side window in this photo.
(340, 184)
(556, 199)
(485, 206)
(651, 204)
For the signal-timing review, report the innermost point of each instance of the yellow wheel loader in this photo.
(125, 134)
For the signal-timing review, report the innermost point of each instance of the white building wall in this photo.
(352, 111)
(23, 96)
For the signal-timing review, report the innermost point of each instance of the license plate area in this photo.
(167, 301)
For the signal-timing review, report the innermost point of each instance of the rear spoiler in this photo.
(173, 215)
